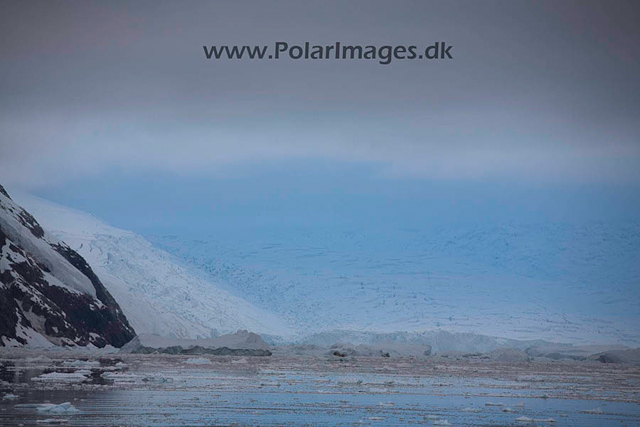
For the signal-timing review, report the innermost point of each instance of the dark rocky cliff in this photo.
(48, 292)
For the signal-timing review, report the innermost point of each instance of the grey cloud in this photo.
(544, 90)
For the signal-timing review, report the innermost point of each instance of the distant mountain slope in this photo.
(48, 293)
(157, 295)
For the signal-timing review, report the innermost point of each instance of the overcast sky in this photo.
(537, 91)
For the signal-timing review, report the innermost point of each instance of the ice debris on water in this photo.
(118, 377)
(198, 361)
(596, 411)
(81, 364)
(535, 420)
(51, 408)
(65, 377)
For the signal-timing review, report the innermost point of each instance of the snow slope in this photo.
(157, 295)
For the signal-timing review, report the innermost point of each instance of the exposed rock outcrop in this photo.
(48, 293)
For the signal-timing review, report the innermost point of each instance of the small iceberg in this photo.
(50, 408)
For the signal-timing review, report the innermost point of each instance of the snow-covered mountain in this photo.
(157, 295)
(49, 295)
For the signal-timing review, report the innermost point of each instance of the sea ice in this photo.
(65, 377)
(535, 420)
(596, 411)
(51, 408)
(198, 361)
(81, 363)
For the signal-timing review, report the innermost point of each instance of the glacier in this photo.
(559, 282)
(157, 295)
